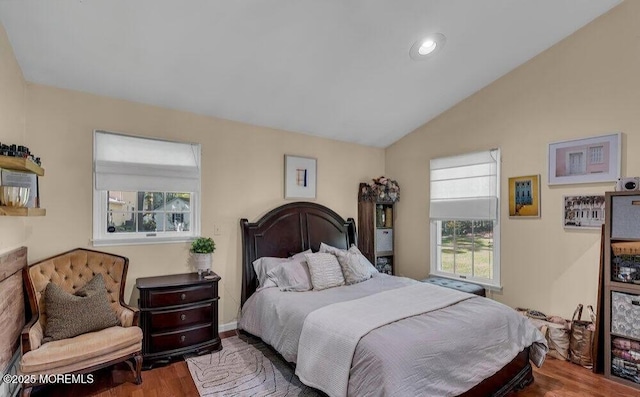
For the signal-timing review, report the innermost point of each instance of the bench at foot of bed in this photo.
(464, 286)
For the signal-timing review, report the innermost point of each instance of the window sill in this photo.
(141, 241)
(486, 285)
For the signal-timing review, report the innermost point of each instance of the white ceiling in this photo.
(333, 68)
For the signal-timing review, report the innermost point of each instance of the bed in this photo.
(379, 364)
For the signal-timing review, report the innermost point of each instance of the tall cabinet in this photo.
(622, 288)
(375, 232)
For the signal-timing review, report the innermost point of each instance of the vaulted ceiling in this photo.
(334, 68)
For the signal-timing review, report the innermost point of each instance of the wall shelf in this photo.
(22, 211)
(20, 164)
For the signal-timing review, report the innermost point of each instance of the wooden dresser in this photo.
(178, 316)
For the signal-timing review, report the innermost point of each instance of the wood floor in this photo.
(556, 378)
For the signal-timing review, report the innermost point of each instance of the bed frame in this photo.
(287, 230)
(299, 226)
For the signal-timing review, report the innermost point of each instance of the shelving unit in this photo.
(622, 287)
(21, 164)
(375, 232)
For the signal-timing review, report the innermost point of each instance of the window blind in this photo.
(465, 187)
(129, 163)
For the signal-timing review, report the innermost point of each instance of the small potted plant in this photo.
(202, 250)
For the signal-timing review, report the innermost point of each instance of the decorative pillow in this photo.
(329, 249)
(266, 263)
(325, 270)
(70, 315)
(354, 266)
(292, 275)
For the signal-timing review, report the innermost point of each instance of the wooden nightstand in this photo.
(178, 316)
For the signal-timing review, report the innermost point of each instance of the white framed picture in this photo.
(588, 160)
(299, 177)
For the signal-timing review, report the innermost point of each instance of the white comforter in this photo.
(441, 353)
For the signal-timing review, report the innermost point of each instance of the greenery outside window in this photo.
(465, 248)
(465, 227)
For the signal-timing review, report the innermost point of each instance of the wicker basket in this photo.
(626, 248)
(626, 262)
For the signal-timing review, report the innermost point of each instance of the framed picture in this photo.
(299, 177)
(588, 160)
(583, 212)
(524, 196)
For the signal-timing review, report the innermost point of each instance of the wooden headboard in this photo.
(12, 316)
(287, 230)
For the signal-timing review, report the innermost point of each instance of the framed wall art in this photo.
(524, 196)
(299, 177)
(583, 212)
(588, 160)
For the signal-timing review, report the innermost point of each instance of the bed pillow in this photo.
(292, 275)
(70, 315)
(266, 263)
(355, 266)
(363, 261)
(325, 270)
(262, 267)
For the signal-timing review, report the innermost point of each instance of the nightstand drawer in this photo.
(180, 339)
(181, 296)
(167, 319)
(178, 315)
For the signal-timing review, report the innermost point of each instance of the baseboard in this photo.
(228, 326)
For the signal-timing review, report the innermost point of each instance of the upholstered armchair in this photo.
(84, 353)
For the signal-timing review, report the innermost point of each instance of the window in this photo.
(577, 163)
(465, 227)
(145, 190)
(597, 154)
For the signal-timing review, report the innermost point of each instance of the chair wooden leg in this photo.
(139, 369)
(135, 363)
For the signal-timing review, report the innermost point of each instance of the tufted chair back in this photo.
(72, 270)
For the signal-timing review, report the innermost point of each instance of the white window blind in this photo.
(465, 186)
(127, 163)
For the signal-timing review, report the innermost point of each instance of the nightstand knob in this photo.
(183, 296)
(183, 317)
(182, 338)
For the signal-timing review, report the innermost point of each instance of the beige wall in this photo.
(587, 85)
(242, 176)
(12, 130)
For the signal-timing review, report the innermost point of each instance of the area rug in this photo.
(245, 367)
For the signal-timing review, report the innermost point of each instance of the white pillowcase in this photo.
(292, 275)
(266, 263)
(325, 270)
(355, 266)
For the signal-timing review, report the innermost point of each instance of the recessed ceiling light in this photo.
(425, 48)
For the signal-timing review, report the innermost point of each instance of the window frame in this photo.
(436, 237)
(100, 212)
(435, 229)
